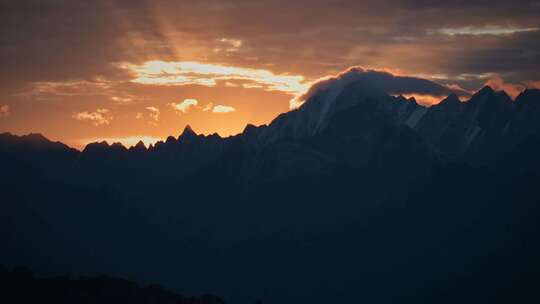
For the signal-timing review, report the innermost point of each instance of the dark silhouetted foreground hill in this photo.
(18, 285)
(357, 196)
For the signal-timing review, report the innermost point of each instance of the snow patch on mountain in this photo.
(415, 117)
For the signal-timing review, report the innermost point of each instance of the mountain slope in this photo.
(357, 196)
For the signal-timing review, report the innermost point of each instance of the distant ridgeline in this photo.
(357, 196)
(18, 285)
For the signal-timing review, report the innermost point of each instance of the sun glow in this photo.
(425, 100)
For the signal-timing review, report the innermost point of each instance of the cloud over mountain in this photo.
(381, 80)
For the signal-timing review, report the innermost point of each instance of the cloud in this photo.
(48, 89)
(208, 107)
(457, 88)
(179, 73)
(154, 113)
(236, 43)
(184, 106)
(231, 84)
(485, 30)
(4, 111)
(498, 84)
(223, 109)
(381, 80)
(123, 99)
(110, 89)
(531, 84)
(219, 109)
(512, 89)
(98, 118)
(232, 45)
(323, 41)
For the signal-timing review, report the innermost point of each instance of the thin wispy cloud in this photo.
(221, 109)
(232, 42)
(208, 107)
(56, 90)
(486, 30)
(69, 88)
(99, 118)
(531, 84)
(154, 113)
(229, 45)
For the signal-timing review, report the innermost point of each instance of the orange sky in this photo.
(82, 71)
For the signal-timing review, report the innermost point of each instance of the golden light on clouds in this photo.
(154, 113)
(486, 30)
(70, 88)
(236, 43)
(231, 45)
(184, 106)
(98, 118)
(178, 73)
(208, 107)
(496, 82)
(223, 109)
(425, 99)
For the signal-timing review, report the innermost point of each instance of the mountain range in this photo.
(20, 284)
(356, 196)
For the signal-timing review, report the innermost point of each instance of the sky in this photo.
(80, 71)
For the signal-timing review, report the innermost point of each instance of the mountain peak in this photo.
(36, 137)
(530, 93)
(481, 96)
(140, 146)
(529, 98)
(251, 128)
(96, 147)
(485, 91)
(451, 99)
(117, 147)
(170, 140)
(412, 100)
(187, 134)
(504, 97)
